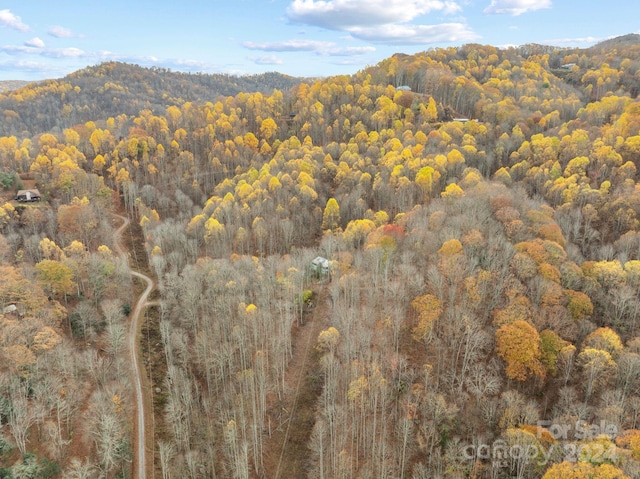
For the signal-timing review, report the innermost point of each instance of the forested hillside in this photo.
(113, 89)
(480, 211)
(11, 85)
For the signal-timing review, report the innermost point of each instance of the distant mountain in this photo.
(6, 85)
(624, 40)
(112, 89)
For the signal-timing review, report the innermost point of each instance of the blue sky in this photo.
(42, 39)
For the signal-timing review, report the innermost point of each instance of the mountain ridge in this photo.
(114, 88)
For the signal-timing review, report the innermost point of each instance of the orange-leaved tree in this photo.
(518, 343)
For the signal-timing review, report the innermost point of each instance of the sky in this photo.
(40, 39)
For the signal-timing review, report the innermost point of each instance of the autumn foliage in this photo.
(518, 343)
(481, 229)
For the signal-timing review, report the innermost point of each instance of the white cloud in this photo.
(8, 19)
(55, 63)
(349, 62)
(65, 53)
(16, 50)
(515, 7)
(382, 21)
(183, 63)
(289, 46)
(35, 42)
(345, 14)
(44, 52)
(347, 51)
(71, 56)
(266, 60)
(29, 67)
(61, 32)
(106, 56)
(320, 48)
(415, 34)
(574, 41)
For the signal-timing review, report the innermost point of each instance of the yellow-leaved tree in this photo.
(268, 128)
(55, 277)
(605, 339)
(328, 339)
(598, 367)
(583, 470)
(425, 179)
(331, 215)
(429, 309)
(452, 191)
(357, 230)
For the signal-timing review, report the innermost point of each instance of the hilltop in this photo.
(114, 88)
(629, 40)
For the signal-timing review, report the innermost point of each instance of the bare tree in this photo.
(166, 451)
(78, 469)
(21, 412)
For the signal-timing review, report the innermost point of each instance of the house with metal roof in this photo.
(28, 195)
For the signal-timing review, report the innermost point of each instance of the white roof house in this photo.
(320, 264)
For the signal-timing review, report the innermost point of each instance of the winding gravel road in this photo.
(140, 439)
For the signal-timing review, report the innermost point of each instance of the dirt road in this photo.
(140, 440)
(302, 379)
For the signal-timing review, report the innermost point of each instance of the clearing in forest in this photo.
(293, 418)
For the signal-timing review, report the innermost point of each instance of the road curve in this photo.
(141, 452)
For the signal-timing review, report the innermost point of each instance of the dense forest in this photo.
(480, 212)
(112, 89)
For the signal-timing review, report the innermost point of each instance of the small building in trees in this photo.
(403, 88)
(320, 266)
(28, 195)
